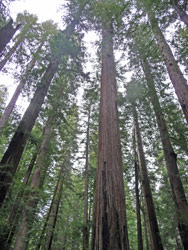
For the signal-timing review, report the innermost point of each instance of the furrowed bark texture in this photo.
(12, 156)
(178, 192)
(110, 226)
(86, 229)
(156, 243)
(6, 34)
(139, 223)
(28, 212)
(175, 74)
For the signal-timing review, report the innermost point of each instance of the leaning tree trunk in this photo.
(11, 105)
(19, 39)
(145, 227)
(32, 198)
(138, 215)
(110, 225)
(54, 211)
(12, 156)
(10, 52)
(8, 232)
(156, 243)
(170, 158)
(86, 229)
(175, 74)
(6, 34)
(182, 14)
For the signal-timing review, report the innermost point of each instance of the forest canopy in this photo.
(95, 154)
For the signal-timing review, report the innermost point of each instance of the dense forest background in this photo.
(98, 159)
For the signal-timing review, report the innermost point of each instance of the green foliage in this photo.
(133, 38)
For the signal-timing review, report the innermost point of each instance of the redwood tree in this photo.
(176, 76)
(110, 225)
(12, 156)
(156, 242)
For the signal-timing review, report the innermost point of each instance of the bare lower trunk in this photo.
(109, 226)
(150, 208)
(178, 193)
(86, 229)
(175, 74)
(9, 231)
(54, 211)
(32, 197)
(139, 223)
(145, 229)
(12, 156)
(6, 34)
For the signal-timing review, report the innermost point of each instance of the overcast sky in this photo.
(44, 9)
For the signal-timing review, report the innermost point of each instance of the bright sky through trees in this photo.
(45, 10)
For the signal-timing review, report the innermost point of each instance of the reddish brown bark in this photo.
(178, 192)
(156, 242)
(175, 74)
(12, 156)
(86, 229)
(109, 226)
(32, 198)
(138, 215)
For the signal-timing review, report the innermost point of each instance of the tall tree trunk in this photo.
(32, 197)
(175, 74)
(182, 14)
(54, 210)
(8, 232)
(154, 229)
(145, 228)
(20, 39)
(170, 158)
(110, 225)
(86, 229)
(6, 34)
(12, 156)
(11, 105)
(10, 52)
(138, 215)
